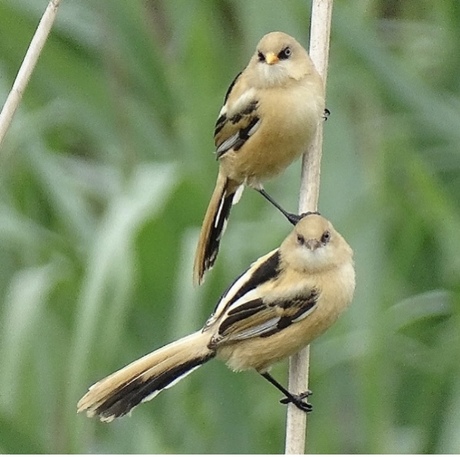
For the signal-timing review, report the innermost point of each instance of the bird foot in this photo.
(297, 400)
(293, 218)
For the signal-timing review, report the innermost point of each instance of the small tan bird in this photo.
(269, 118)
(279, 305)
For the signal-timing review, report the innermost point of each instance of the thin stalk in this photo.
(27, 67)
(296, 425)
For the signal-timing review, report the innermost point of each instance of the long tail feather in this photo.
(117, 394)
(213, 226)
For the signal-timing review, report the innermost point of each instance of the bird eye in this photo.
(261, 57)
(285, 53)
(300, 239)
(326, 237)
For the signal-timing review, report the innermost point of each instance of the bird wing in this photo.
(244, 311)
(232, 85)
(259, 318)
(262, 271)
(238, 119)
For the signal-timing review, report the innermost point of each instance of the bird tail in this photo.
(140, 381)
(213, 226)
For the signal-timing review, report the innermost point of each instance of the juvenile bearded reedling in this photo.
(269, 118)
(280, 304)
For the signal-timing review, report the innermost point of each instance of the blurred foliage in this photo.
(104, 179)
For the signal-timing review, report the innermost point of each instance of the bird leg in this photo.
(297, 400)
(292, 218)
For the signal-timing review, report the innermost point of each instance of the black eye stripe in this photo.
(285, 53)
(326, 237)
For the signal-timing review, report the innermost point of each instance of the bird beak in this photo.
(312, 244)
(271, 58)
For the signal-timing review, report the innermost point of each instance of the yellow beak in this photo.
(271, 58)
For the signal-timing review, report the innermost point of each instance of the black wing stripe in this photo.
(266, 271)
(240, 316)
(250, 107)
(244, 134)
(237, 140)
(302, 305)
(232, 84)
(220, 123)
(223, 118)
(299, 302)
(248, 306)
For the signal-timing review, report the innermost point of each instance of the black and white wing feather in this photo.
(238, 119)
(264, 270)
(259, 318)
(246, 311)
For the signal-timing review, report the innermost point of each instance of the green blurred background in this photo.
(105, 175)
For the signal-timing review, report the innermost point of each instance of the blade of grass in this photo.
(27, 67)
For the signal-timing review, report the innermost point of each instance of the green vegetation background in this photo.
(104, 179)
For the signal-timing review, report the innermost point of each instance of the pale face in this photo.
(278, 58)
(315, 245)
